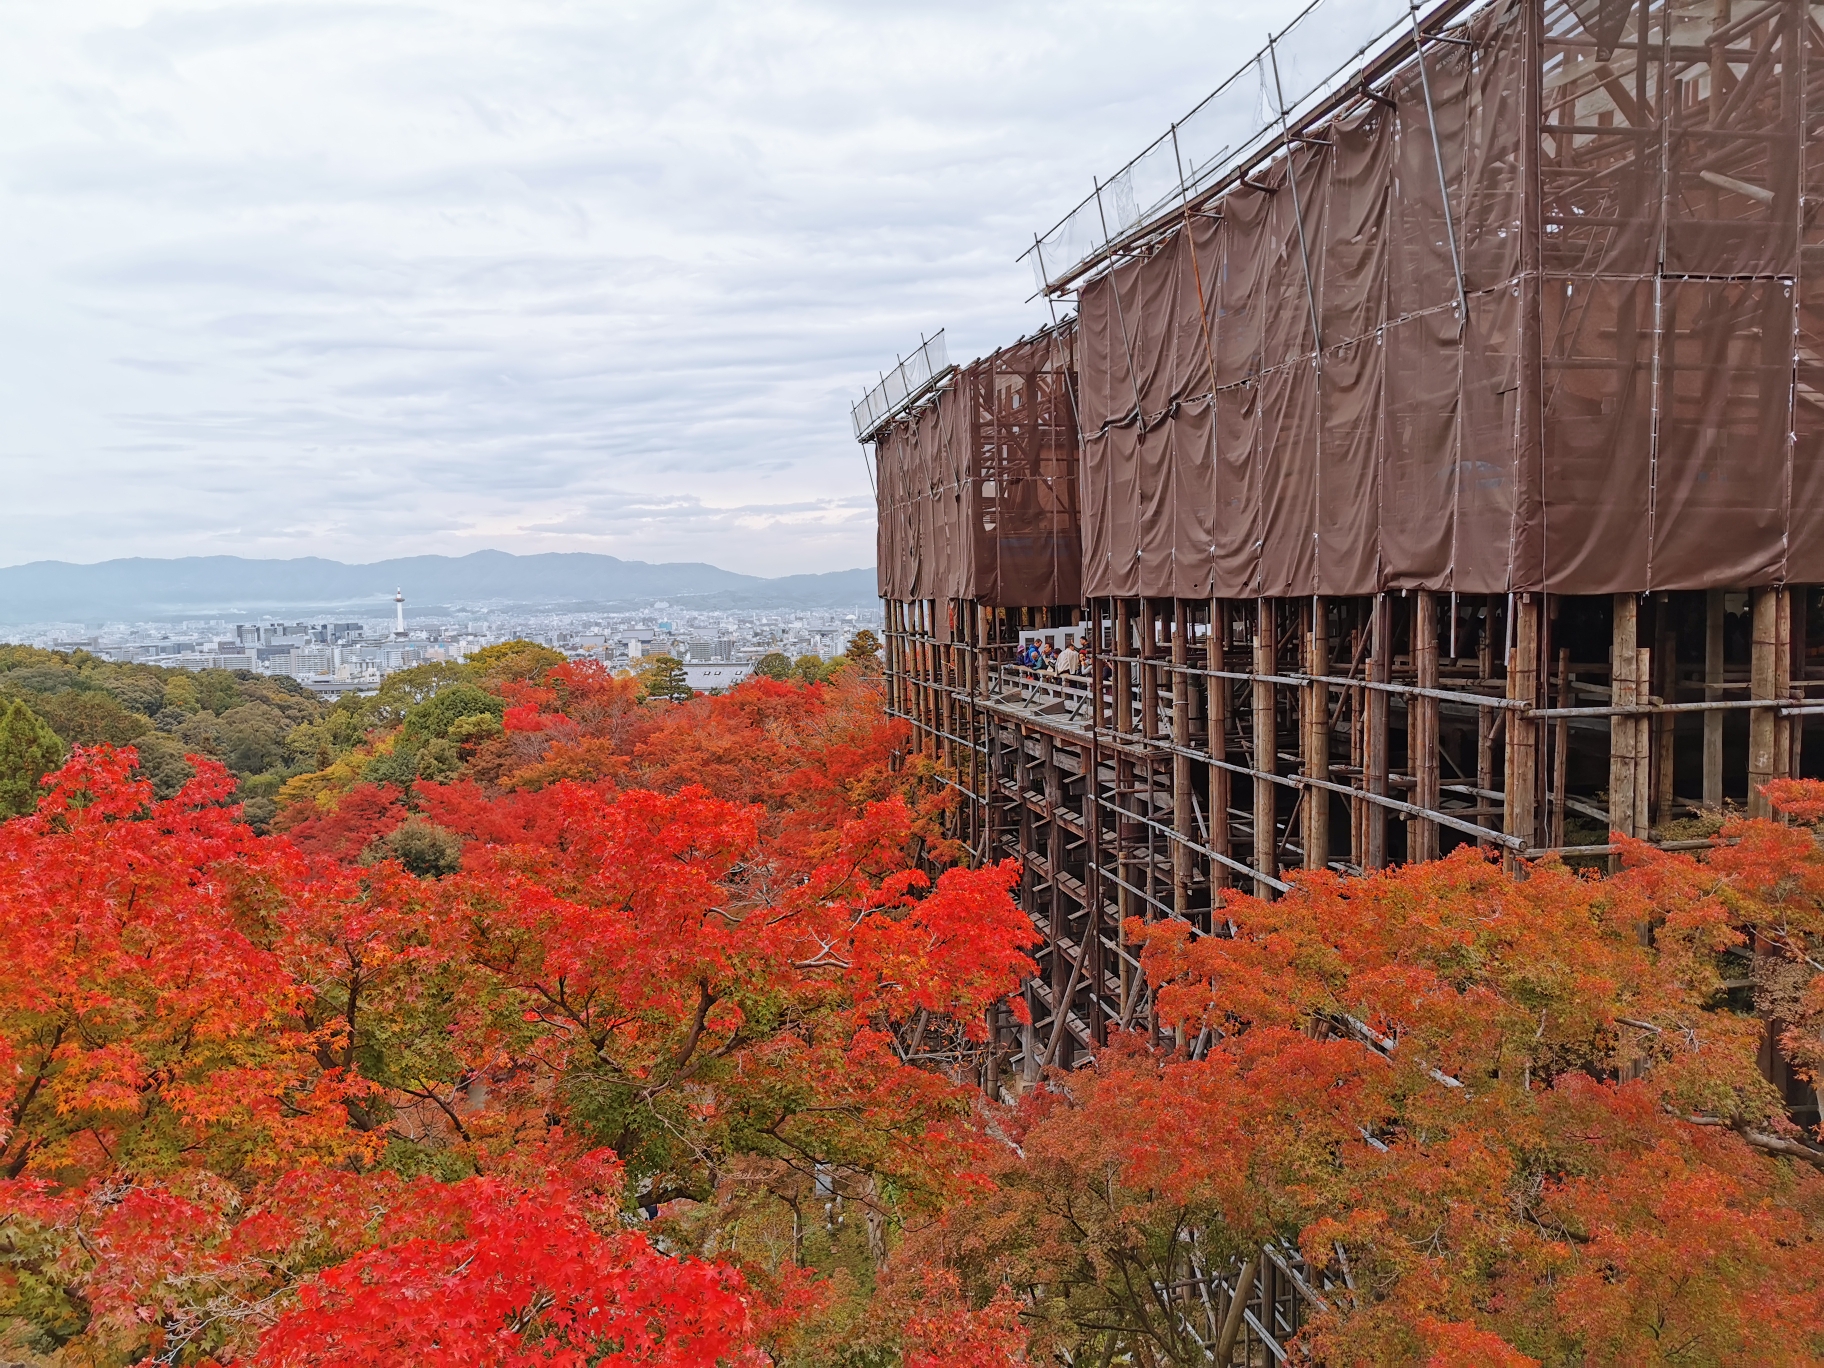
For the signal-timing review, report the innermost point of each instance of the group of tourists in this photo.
(1043, 656)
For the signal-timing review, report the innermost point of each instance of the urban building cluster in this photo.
(718, 648)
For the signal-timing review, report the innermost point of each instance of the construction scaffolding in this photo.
(1441, 466)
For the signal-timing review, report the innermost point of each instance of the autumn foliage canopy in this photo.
(560, 1021)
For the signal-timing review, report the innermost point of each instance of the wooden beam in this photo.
(1769, 743)
(1266, 746)
(1665, 687)
(1520, 806)
(1713, 692)
(1182, 820)
(1149, 672)
(1315, 716)
(1422, 728)
(1376, 759)
(1485, 717)
(1624, 732)
(1217, 710)
(1561, 749)
(1124, 671)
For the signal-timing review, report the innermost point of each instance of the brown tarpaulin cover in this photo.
(1634, 399)
(977, 491)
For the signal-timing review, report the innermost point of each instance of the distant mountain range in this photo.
(141, 589)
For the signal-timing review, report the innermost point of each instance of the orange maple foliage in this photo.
(676, 986)
(280, 1098)
(1506, 1119)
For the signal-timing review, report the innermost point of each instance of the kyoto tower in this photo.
(399, 614)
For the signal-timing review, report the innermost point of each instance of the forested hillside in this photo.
(554, 1019)
(259, 726)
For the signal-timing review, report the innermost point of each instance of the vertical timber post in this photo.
(1375, 758)
(1770, 677)
(1561, 748)
(1520, 804)
(1317, 739)
(1624, 729)
(1713, 692)
(1485, 717)
(1182, 822)
(1665, 688)
(1422, 728)
(1217, 710)
(1266, 745)
(1124, 670)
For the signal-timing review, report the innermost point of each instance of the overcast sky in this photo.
(362, 280)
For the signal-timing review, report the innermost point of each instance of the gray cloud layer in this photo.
(360, 280)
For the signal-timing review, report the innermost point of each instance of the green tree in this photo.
(864, 647)
(774, 665)
(252, 737)
(433, 718)
(662, 676)
(425, 848)
(29, 750)
(161, 759)
(220, 690)
(518, 659)
(810, 669)
(88, 717)
(404, 690)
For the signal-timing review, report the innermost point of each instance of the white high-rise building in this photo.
(399, 613)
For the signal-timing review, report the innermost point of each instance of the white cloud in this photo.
(372, 279)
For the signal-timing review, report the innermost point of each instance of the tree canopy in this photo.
(554, 1020)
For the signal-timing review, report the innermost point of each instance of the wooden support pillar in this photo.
(1092, 667)
(1561, 748)
(1770, 676)
(1422, 729)
(1521, 803)
(1149, 672)
(1627, 796)
(1375, 758)
(1217, 709)
(1316, 726)
(1182, 820)
(1358, 753)
(1713, 692)
(946, 674)
(1054, 897)
(1124, 670)
(1485, 717)
(1266, 745)
(991, 1063)
(991, 833)
(1094, 917)
(1665, 688)
(1796, 615)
